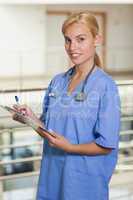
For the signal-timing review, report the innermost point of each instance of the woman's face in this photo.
(79, 43)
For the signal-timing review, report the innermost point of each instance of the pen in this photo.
(17, 99)
(23, 111)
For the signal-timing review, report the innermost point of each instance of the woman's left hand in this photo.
(58, 141)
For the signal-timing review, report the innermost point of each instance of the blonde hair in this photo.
(90, 21)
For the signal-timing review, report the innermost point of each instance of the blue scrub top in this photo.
(67, 176)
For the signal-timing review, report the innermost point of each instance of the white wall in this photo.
(24, 45)
(22, 40)
(57, 59)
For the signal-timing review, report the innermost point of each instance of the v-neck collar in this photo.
(79, 86)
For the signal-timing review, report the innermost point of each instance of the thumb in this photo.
(53, 133)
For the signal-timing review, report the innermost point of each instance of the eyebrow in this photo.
(80, 35)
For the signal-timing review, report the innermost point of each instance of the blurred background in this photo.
(31, 53)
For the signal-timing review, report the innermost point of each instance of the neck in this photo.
(82, 70)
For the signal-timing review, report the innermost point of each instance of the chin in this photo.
(80, 61)
(76, 62)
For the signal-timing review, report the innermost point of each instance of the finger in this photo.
(15, 107)
(49, 132)
(53, 133)
(20, 108)
(51, 144)
(49, 137)
(16, 117)
(43, 133)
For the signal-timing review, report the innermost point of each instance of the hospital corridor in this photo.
(31, 53)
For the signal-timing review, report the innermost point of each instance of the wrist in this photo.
(71, 148)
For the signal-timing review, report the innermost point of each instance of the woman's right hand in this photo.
(25, 110)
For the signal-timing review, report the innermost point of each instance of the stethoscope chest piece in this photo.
(80, 96)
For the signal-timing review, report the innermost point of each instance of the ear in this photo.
(98, 40)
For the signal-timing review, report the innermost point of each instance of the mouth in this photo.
(74, 55)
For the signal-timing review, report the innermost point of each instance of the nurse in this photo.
(82, 109)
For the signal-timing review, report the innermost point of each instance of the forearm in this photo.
(40, 133)
(37, 119)
(89, 149)
(39, 122)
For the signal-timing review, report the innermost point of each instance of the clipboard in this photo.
(44, 129)
(11, 110)
(27, 120)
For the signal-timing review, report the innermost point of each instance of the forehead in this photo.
(77, 29)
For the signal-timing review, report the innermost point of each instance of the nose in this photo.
(72, 46)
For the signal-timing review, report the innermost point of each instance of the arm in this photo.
(89, 149)
(62, 143)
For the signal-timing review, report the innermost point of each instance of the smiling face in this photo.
(79, 44)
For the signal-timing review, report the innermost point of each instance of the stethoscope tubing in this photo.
(81, 95)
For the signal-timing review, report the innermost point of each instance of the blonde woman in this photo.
(82, 108)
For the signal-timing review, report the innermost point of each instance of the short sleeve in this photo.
(108, 122)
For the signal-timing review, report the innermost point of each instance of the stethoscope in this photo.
(81, 96)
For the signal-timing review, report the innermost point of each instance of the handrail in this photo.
(22, 127)
(36, 173)
(126, 132)
(28, 159)
(35, 158)
(20, 145)
(23, 90)
(123, 167)
(125, 159)
(126, 118)
(123, 145)
(124, 82)
(21, 175)
(118, 82)
(121, 161)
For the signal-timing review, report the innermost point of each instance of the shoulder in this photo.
(105, 81)
(108, 90)
(57, 79)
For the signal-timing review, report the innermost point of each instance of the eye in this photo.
(81, 39)
(67, 40)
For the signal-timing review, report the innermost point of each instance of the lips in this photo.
(74, 55)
